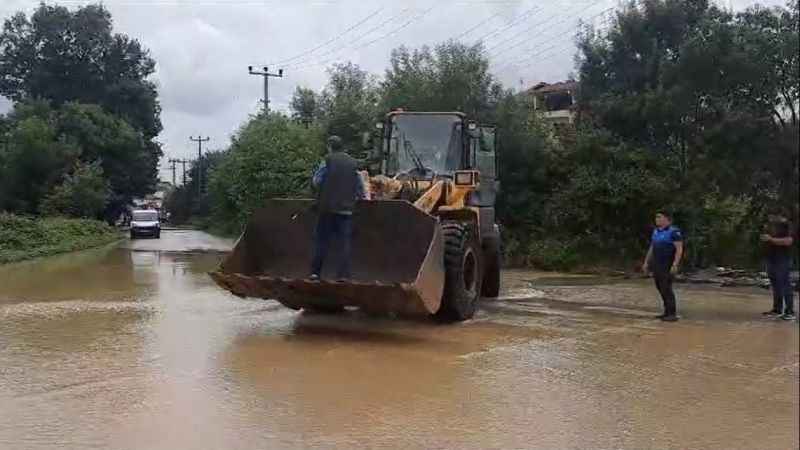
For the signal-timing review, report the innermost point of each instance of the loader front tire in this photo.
(462, 285)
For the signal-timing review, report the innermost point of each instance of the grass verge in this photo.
(23, 237)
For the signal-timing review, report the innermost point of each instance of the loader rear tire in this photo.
(462, 285)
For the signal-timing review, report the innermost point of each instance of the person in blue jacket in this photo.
(663, 261)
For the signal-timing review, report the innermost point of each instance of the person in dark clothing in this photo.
(778, 254)
(340, 186)
(663, 260)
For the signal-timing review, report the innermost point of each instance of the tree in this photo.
(349, 104)
(770, 40)
(526, 155)
(451, 77)
(33, 161)
(269, 157)
(609, 185)
(188, 201)
(83, 193)
(304, 105)
(43, 144)
(127, 164)
(708, 93)
(673, 74)
(64, 57)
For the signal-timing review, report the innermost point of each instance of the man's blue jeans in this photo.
(332, 226)
(780, 279)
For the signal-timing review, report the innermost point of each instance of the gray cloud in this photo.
(203, 47)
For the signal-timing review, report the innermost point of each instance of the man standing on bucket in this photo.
(340, 186)
(663, 260)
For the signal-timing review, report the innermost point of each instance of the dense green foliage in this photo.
(82, 98)
(73, 56)
(189, 200)
(347, 106)
(451, 77)
(706, 101)
(27, 237)
(83, 193)
(269, 157)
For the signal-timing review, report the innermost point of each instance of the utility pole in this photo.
(265, 73)
(199, 140)
(172, 167)
(183, 162)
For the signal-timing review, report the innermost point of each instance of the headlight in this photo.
(466, 178)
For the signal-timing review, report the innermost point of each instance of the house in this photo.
(555, 103)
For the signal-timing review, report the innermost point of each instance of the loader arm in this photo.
(446, 195)
(427, 202)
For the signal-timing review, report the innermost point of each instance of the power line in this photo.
(539, 44)
(555, 35)
(334, 39)
(359, 47)
(479, 24)
(512, 24)
(400, 28)
(352, 42)
(549, 56)
(517, 66)
(577, 8)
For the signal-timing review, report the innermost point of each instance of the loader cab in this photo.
(422, 146)
(427, 145)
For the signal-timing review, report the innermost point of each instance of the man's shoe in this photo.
(670, 318)
(660, 316)
(313, 277)
(771, 314)
(789, 316)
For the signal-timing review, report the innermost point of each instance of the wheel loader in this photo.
(425, 243)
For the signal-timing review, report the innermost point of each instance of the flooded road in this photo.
(134, 347)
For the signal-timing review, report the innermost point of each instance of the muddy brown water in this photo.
(133, 347)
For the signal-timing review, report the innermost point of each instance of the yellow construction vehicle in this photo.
(425, 244)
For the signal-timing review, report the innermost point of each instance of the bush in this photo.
(270, 157)
(24, 237)
(83, 193)
(542, 253)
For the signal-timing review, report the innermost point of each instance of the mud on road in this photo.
(134, 347)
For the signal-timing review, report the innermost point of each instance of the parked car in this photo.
(144, 222)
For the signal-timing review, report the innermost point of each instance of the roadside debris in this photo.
(728, 277)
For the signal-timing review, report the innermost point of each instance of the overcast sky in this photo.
(203, 47)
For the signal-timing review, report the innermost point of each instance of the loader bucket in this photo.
(397, 259)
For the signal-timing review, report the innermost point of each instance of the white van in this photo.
(145, 222)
